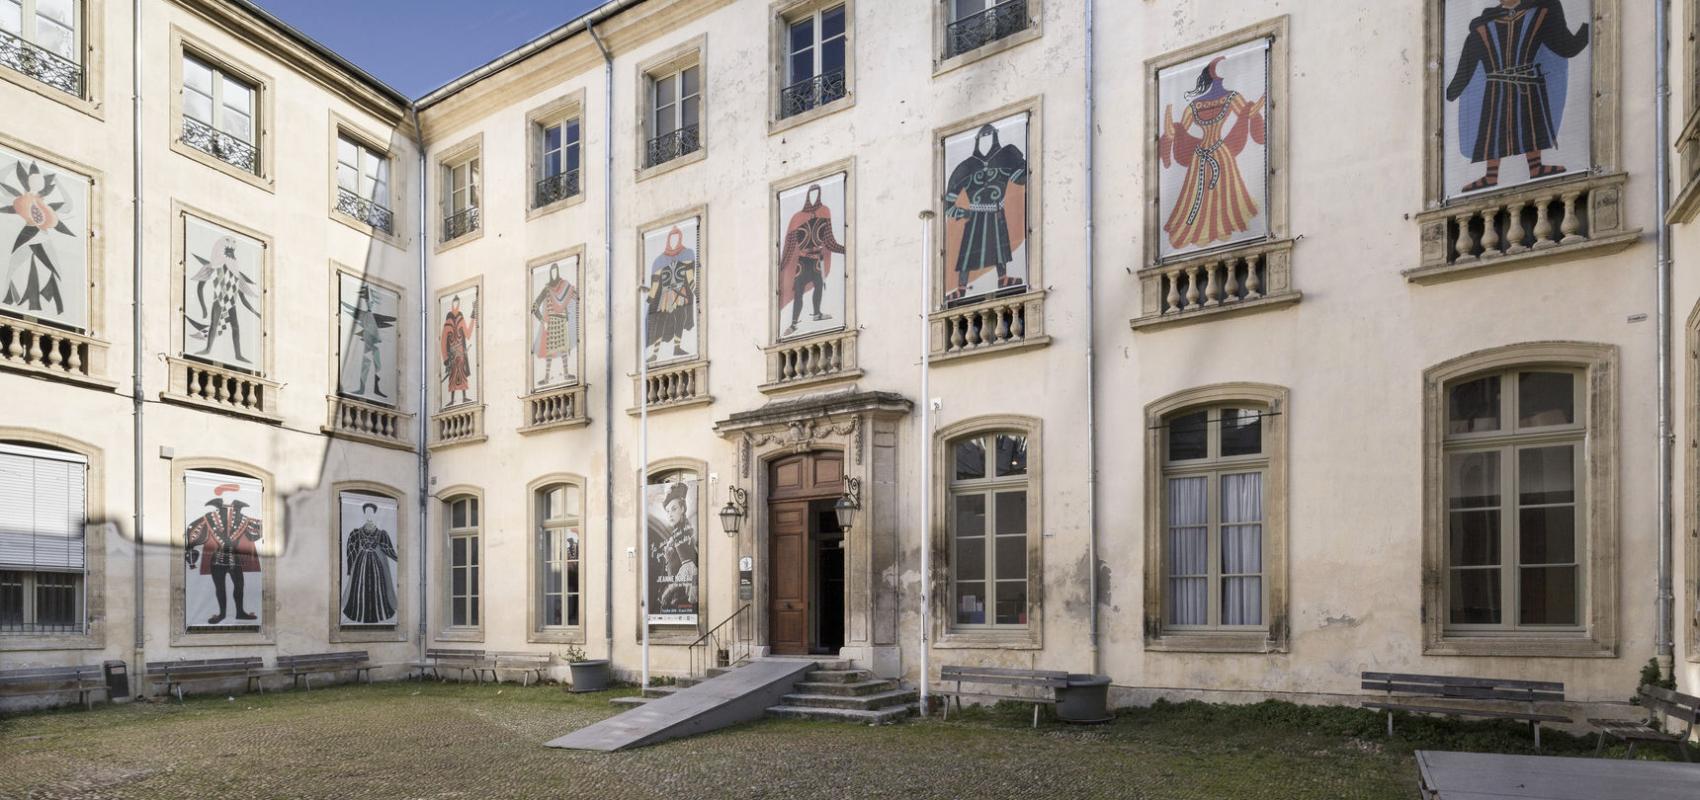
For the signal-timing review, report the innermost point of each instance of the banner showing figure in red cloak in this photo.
(812, 265)
(457, 346)
(985, 210)
(221, 559)
(1213, 189)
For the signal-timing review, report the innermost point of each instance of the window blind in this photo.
(41, 508)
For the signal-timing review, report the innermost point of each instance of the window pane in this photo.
(1547, 596)
(1546, 398)
(1474, 406)
(1189, 601)
(472, 610)
(970, 459)
(1189, 436)
(1012, 603)
(57, 39)
(1011, 561)
(11, 587)
(197, 106)
(457, 514)
(572, 610)
(970, 603)
(690, 111)
(457, 582)
(238, 96)
(832, 57)
(58, 11)
(573, 155)
(1475, 597)
(457, 547)
(802, 34)
(347, 152)
(12, 21)
(1242, 498)
(472, 511)
(801, 65)
(689, 85)
(237, 125)
(964, 8)
(197, 76)
(552, 610)
(1472, 480)
(1188, 552)
(832, 23)
(1547, 535)
(1546, 475)
(971, 558)
(1242, 600)
(1473, 538)
(460, 612)
(665, 91)
(1012, 454)
(1242, 432)
(1011, 513)
(347, 178)
(551, 138)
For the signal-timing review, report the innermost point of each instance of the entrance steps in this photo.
(846, 695)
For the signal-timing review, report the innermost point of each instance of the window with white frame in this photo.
(465, 577)
(976, 23)
(460, 198)
(1215, 469)
(558, 157)
(42, 39)
(42, 560)
(559, 511)
(219, 114)
(1515, 525)
(989, 492)
(363, 183)
(675, 114)
(815, 51)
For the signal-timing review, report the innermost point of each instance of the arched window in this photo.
(42, 559)
(559, 513)
(987, 505)
(464, 560)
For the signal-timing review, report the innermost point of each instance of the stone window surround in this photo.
(782, 13)
(535, 632)
(688, 54)
(1277, 246)
(567, 107)
(476, 407)
(946, 636)
(272, 541)
(702, 358)
(94, 547)
(184, 43)
(439, 553)
(92, 32)
(1274, 637)
(342, 127)
(1687, 167)
(1605, 134)
(852, 370)
(706, 509)
(1690, 591)
(180, 211)
(471, 147)
(1598, 364)
(941, 24)
(403, 566)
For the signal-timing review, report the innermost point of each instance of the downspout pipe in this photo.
(607, 337)
(1091, 353)
(1664, 640)
(136, 404)
(424, 452)
(925, 446)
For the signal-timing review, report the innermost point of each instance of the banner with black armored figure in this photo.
(44, 226)
(672, 305)
(367, 333)
(222, 531)
(671, 509)
(370, 563)
(554, 322)
(985, 210)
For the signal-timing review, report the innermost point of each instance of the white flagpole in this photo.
(925, 448)
(643, 461)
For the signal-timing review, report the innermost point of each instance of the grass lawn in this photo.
(412, 740)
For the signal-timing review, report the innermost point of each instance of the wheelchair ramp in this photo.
(739, 695)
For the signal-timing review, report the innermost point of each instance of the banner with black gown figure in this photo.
(369, 560)
(222, 530)
(1517, 94)
(223, 302)
(672, 551)
(675, 287)
(985, 210)
(812, 258)
(44, 227)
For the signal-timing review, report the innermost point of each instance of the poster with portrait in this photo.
(223, 534)
(457, 348)
(44, 228)
(671, 509)
(672, 321)
(370, 564)
(1213, 150)
(367, 336)
(985, 210)
(1517, 85)
(223, 295)
(813, 261)
(553, 319)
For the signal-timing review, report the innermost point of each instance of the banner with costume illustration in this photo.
(812, 258)
(1213, 149)
(671, 509)
(366, 335)
(222, 533)
(457, 348)
(44, 227)
(223, 295)
(986, 175)
(553, 318)
(370, 591)
(672, 313)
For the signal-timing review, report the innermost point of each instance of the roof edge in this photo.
(519, 54)
(324, 52)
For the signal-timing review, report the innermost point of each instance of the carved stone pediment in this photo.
(799, 423)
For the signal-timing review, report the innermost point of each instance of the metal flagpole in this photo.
(925, 448)
(643, 461)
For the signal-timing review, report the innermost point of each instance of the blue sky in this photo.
(418, 45)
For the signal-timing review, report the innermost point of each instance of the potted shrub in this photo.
(589, 674)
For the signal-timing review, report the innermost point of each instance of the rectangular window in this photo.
(363, 184)
(1214, 473)
(558, 547)
(557, 162)
(464, 578)
(989, 531)
(675, 102)
(460, 198)
(43, 39)
(977, 23)
(219, 112)
(42, 565)
(815, 47)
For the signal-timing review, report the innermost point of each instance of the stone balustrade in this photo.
(1564, 217)
(989, 326)
(31, 347)
(555, 408)
(349, 418)
(218, 388)
(1241, 279)
(459, 425)
(806, 362)
(672, 386)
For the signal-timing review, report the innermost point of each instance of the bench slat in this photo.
(1458, 680)
(1468, 712)
(1465, 692)
(952, 672)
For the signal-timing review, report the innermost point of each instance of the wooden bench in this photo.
(1660, 704)
(1047, 681)
(84, 680)
(438, 659)
(175, 673)
(1460, 692)
(526, 664)
(303, 667)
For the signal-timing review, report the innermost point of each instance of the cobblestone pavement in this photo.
(410, 740)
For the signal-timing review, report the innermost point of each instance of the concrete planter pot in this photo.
(1086, 698)
(591, 675)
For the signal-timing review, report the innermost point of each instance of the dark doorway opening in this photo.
(828, 560)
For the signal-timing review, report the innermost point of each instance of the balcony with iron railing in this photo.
(554, 188)
(812, 93)
(365, 210)
(44, 66)
(221, 145)
(460, 224)
(672, 145)
(975, 31)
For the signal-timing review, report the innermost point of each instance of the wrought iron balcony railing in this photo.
(811, 93)
(668, 146)
(49, 68)
(977, 30)
(365, 210)
(555, 187)
(461, 224)
(221, 145)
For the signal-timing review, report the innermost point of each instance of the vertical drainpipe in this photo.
(136, 404)
(926, 452)
(424, 459)
(608, 337)
(1664, 643)
(1091, 359)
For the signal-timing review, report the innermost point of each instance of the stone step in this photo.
(880, 717)
(857, 688)
(627, 702)
(661, 691)
(872, 702)
(824, 675)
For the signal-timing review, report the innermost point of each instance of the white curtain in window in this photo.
(1242, 549)
(1189, 552)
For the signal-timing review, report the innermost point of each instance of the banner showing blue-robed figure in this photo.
(1518, 84)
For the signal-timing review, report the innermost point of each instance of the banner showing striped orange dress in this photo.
(1213, 149)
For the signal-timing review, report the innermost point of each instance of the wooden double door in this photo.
(806, 554)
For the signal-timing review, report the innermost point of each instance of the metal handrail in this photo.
(668, 146)
(41, 64)
(811, 93)
(221, 145)
(708, 643)
(982, 28)
(460, 224)
(555, 187)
